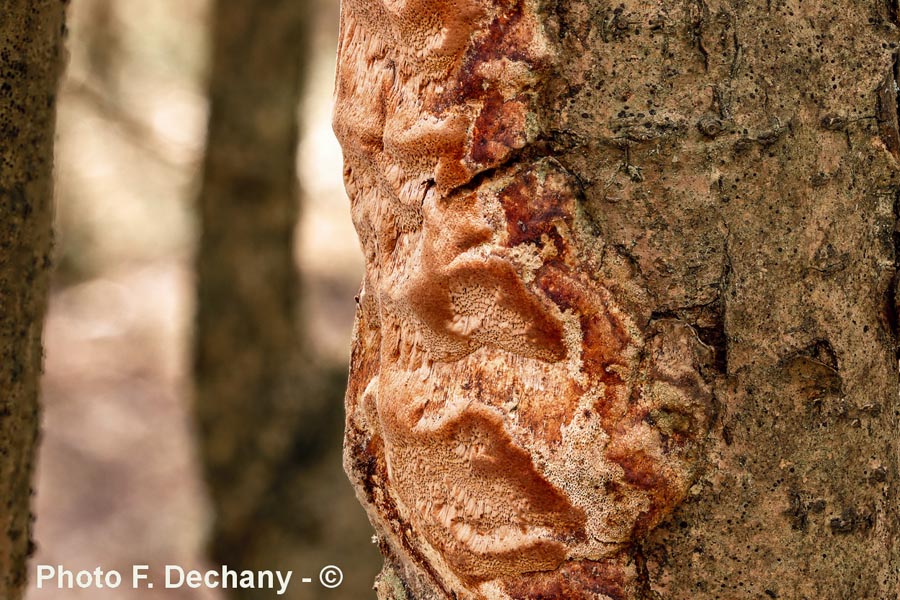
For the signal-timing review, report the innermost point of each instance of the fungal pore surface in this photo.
(516, 422)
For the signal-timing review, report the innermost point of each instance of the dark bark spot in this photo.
(833, 122)
(797, 512)
(711, 126)
(878, 475)
(850, 521)
(893, 9)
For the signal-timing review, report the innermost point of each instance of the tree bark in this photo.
(31, 60)
(628, 326)
(252, 389)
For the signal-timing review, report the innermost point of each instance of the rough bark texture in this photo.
(31, 59)
(628, 326)
(254, 400)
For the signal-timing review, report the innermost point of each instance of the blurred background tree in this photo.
(267, 407)
(271, 354)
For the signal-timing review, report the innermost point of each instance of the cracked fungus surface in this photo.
(512, 409)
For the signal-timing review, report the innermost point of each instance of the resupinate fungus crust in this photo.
(513, 413)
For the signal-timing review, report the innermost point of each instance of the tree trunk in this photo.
(627, 328)
(248, 358)
(31, 60)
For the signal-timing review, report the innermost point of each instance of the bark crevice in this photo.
(886, 111)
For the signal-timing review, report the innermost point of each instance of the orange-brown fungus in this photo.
(507, 415)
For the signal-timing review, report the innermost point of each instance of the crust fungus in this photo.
(515, 420)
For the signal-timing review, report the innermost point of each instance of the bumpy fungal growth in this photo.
(515, 420)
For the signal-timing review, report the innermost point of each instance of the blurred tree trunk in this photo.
(104, 46)
(31, 60)
(252, 392)
(629, 320)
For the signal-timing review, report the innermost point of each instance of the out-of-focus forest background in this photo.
(119, 480)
